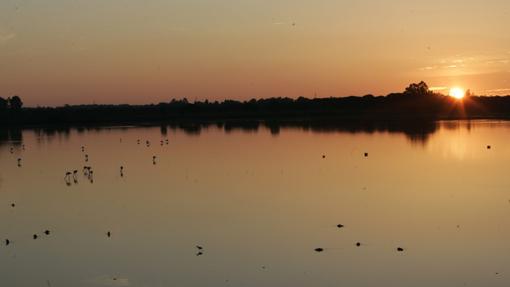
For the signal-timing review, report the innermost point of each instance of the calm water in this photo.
(259, 202)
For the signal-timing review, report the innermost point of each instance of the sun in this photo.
(457, 93)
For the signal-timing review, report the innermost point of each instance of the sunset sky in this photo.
(57, 52)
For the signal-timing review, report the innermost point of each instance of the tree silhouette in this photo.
(420, 89)
(15, 103)
(3, 104)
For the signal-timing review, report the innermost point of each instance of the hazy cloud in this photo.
(4, 38)
(497, 91)
(438, 88)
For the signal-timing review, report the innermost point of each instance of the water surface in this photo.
(259, 202)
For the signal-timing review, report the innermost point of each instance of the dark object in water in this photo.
(200, 253)
(7, 242)
(340, 226)
(319, 249)
(35, 236)
(400, 249)
(358, 244)
(199, 247)
(13, 205)
(109, 234)
(323, 156)
(47, 232)
(488, 147)
(366, 154)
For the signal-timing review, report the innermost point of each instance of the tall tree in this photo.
(15, 103)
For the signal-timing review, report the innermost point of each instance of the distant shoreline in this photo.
(416, 103)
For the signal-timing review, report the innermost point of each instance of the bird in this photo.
(358, 244)
(340, 225)
(109, 234)
(86, 157)
(82, 148)
(47, 232)
(319, 249)
(35, 236)
(199, 247)
(323, 156)
(366, 154)
(7, 242)
(13, 204)
(199, 253)
(153, 159)
(400, 249)
(19, 161)
(488, 147)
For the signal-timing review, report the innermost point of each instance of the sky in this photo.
(57, 52)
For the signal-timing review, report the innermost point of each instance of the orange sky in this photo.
(56, 52)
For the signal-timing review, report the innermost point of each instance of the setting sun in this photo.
(457, 93)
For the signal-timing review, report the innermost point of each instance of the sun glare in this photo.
(457, 93)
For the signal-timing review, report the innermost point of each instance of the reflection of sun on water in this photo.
(457, 93)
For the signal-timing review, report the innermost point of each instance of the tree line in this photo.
(417, 101)
(12, 103)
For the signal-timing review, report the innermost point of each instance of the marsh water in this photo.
(259, 200)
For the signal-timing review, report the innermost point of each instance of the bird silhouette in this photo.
(400, 249)
(7, 242)
(35, 236)
(47, 232)
(319, 249)
(340, 226)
